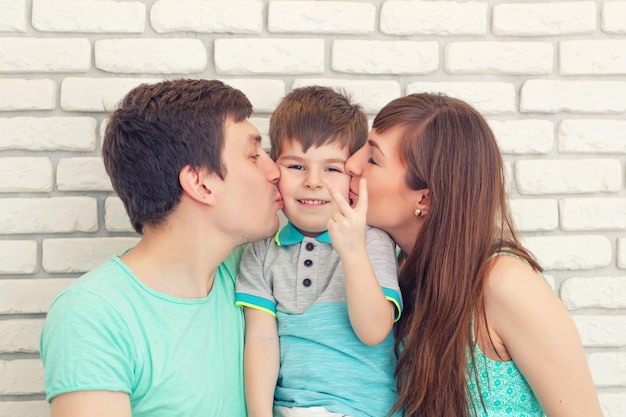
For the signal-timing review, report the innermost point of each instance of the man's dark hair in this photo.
(156, 131)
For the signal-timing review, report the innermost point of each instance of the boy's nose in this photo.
(313, 180)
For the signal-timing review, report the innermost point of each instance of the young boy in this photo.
(331, 310)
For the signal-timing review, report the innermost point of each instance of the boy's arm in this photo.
(261, 362)
(371, 314)
(91, 403)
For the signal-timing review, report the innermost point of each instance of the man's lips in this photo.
(280, 201)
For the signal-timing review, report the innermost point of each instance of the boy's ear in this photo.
(198, 184)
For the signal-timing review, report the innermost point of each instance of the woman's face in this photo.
(391, 203)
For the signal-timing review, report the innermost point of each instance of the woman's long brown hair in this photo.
(448, 148)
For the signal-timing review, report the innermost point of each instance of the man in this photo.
(155, 332)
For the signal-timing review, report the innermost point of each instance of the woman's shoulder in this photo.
(509, 273)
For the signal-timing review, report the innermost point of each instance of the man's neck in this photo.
(177, 261)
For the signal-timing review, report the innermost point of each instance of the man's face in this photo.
(250, 197)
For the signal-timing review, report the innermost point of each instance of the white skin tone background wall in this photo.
(549, 76)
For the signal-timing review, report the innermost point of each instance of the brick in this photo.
(20, 335)
(499, 58)
(239, 17)
(82, 174)
(600, 330)
(441, 18)
(554, 96)
(81, 254)
(20, 94)
(92, 16)
(115, 217)
(613, 403)
(568, 176)
(592, 136)
(544, 19)
(534, 215)
(392, 57)
(594, 292)
(157, 56)
(30, 408)
(29, 296)
(48, 215)
(13, 17)
(608, 368)
(612, 19)
(486, 97)
(269, 56)
(570, 252)
(24, 174)
(593, 213)
(104, 93)
(263, 125)
(525, 136)
(21, 376)
(18, 256)
(621, 252)
(263, 94)
(372, 95)
(321, 17)
(23, 55)
(592, 57)
(508, 176)
(48, 133)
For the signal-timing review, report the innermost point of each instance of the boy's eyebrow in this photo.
(300, 159)
(373, 144)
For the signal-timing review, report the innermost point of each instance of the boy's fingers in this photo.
(338, 200)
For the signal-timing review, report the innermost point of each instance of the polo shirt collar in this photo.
(289, 235)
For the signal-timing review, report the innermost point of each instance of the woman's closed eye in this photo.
(370, 160)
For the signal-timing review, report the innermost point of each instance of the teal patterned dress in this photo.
(504, 389)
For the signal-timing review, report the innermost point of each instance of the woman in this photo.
(482, 333)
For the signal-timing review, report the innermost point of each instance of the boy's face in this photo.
(303, 179)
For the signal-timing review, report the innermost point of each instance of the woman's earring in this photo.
(418, 212)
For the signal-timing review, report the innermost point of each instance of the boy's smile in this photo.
(303, 180)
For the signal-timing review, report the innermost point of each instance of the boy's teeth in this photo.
(313, 201)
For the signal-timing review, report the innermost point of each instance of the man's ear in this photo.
(198, 184)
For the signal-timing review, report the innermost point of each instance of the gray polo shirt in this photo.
(323, 363)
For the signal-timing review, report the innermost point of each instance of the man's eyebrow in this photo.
(374, 144)
(254, 138)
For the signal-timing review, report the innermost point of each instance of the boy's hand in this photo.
(347, 225)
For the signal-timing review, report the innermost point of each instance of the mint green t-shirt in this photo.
(173, 356)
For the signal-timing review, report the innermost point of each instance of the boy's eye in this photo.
(298, 167)
(334, 169)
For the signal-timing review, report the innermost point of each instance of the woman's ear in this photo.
(422, 207)
(198, 184)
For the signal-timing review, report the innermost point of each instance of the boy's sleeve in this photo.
(85, 345)
(382, 253)
(252, 288)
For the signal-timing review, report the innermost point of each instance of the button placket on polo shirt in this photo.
(308, 273)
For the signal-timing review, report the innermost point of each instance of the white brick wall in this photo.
(549, 76)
